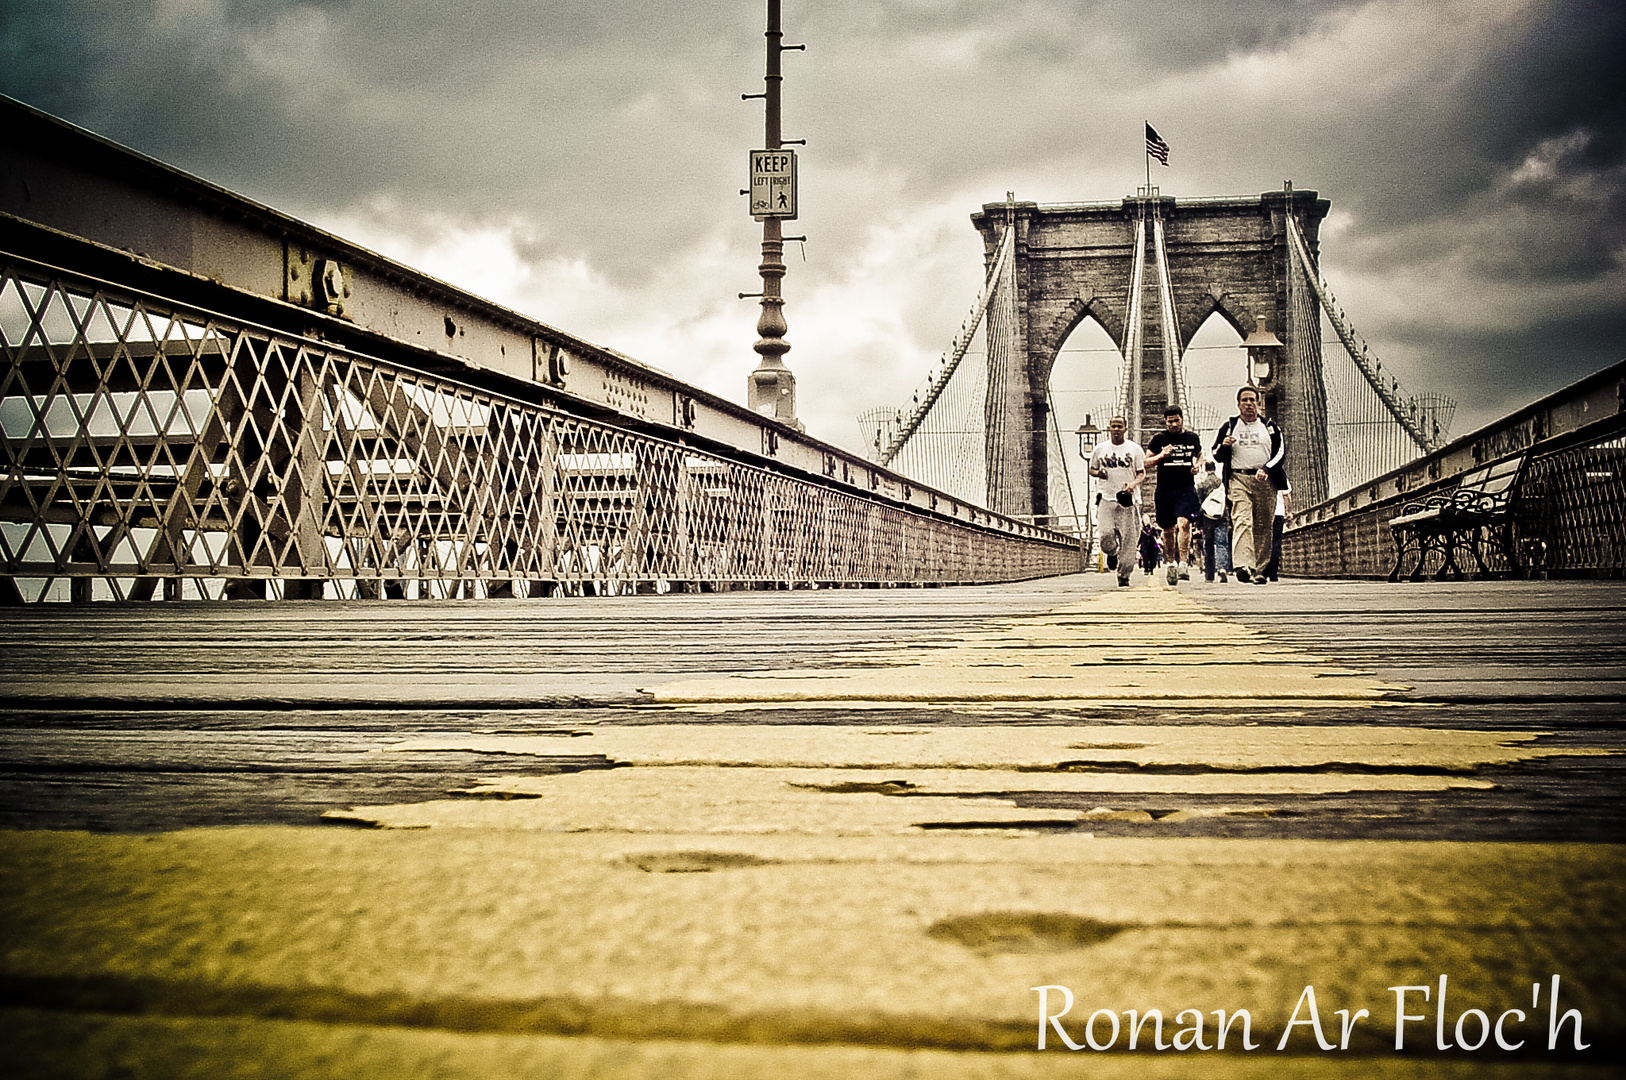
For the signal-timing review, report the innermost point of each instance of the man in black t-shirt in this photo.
(1178, 455)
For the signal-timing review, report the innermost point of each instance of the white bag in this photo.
(1214, 503)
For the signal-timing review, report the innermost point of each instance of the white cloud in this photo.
(862, 333)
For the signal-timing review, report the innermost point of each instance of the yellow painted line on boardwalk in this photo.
(1130, 645)
(694, 800)
(855, 781)
(919, 782)
(810, 779)
(840, 802)
(1037, 749)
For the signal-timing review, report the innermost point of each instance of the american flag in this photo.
(1155, 145)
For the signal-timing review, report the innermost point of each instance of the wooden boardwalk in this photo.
(812, 833)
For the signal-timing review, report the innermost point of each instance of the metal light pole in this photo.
(1090, 432)
(771, 389)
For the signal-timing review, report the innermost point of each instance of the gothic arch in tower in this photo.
(1076, 261)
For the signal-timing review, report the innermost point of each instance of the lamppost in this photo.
(1263, 348)
(1088, 432)
(771, 388)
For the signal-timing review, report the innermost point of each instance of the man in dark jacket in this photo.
(1250, 449)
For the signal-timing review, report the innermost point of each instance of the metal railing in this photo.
(155, 448)
(1568, 512)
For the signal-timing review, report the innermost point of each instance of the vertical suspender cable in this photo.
(917, 414)
(1352, 345)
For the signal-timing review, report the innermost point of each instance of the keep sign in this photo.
(773, 184)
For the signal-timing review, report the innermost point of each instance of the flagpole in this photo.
(1146, 124)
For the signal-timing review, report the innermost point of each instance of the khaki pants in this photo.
(1119, 529)
(1253, 513)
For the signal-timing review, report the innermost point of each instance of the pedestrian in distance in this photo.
(1178, 455)
(1120, 464)
(1216, 525)
(1151, 550)
(1284, 502)
(1250, 448)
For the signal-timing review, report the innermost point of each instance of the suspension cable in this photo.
(1357, 349)
(907, 428)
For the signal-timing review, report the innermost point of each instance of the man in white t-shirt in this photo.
(1120, 464)
(1251, 449)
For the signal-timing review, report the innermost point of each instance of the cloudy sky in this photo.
(579, 160)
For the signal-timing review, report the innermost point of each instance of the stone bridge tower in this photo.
(1228, 255)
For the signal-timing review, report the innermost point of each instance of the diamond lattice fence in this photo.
(151, 446)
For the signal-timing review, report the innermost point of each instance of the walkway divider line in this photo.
(1153, 645)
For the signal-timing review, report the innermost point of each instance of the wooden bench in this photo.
(1478, 510)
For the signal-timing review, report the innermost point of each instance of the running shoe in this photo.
(1242, 574)
(1174, 574)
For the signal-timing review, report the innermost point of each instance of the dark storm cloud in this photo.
(1558, 81)
(1567, 75)
(1488, 196)
(1550, 115)
(1547, 354)
(497, 109)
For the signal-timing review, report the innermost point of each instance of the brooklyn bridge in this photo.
(571, 720)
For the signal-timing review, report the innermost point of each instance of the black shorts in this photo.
(1176, 504)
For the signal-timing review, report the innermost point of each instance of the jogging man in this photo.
(1121, 463)
(1250, 448)
(1178, 455)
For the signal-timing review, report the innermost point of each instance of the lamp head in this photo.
(1262, 347)
(1087, 435)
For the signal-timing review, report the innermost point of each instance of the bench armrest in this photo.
(1478, 502)
(1432, 502)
